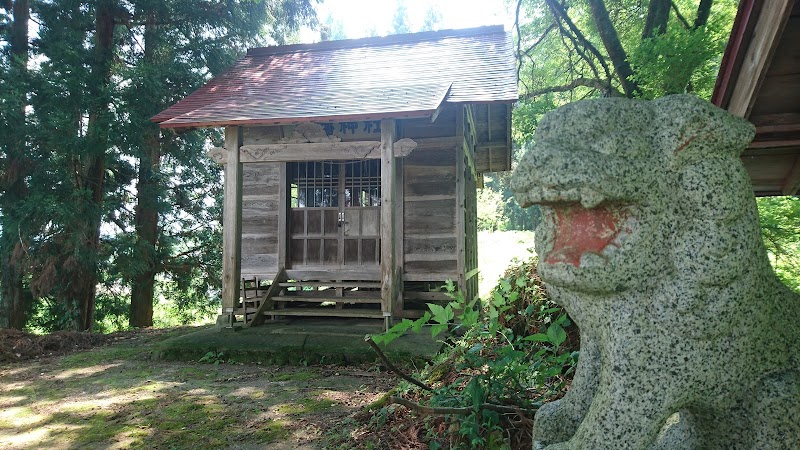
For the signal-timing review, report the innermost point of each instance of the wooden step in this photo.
(371, 273)
(319, 299)
(326, 312)
(331, 284)
(430, 296)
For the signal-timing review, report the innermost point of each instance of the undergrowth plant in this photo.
(517, 349)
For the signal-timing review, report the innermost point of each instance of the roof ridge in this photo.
(406, 38)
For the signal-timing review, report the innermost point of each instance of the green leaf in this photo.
(538, 337)
(556, 334)
(437, 310)
(437, 329)
(416, 326)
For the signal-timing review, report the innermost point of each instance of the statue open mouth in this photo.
(587, 237)
(582, 228)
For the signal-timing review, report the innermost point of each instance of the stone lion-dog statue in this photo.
(650, 239)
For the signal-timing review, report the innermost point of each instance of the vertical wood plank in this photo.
(388, 224)
(398, 304)
(283, 216)
(232, 222)
(460, 197)
(509, 143)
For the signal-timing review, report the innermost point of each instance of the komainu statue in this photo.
(650, 239)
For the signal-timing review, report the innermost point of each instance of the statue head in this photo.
(631, 190)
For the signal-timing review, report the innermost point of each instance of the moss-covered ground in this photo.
(123, 396)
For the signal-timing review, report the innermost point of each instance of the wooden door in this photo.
(335, 213)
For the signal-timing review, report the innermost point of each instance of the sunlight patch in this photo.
(19, 416)
(24, 439)
(85, 371)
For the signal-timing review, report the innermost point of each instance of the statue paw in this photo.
(554, 423)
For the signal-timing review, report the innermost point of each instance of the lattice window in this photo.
(362, 183)
(314, 184)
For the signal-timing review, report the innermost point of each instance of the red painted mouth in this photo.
(579, 230)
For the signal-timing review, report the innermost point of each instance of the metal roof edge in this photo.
(407, 38)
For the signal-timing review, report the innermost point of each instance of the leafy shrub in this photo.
(516, 351)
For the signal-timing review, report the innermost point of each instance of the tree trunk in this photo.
(148, 195)
(657, 17)
(146, 220)
(608, 34)
(14, 303)
(92, 179)
(703, 12)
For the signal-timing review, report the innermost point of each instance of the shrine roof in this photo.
(400, 76)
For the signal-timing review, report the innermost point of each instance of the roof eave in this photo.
(177, 123)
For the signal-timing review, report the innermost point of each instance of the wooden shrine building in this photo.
(351, 169)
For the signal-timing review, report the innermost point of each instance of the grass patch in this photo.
(306, 406)
(272, 431)
(118, 397)
(297, 376)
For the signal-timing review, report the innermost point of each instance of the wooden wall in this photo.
(430, 201)
(260, 208)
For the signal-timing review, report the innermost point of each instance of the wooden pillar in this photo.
(232, 223)
(388, 213)
(283, 212)
(461, 168)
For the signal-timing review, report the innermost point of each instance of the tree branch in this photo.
(462, 410)
(608, 34)
(578, 39)
(390, 366)
(519, 38)
(680, 16)
(593, 83)
(541, 38)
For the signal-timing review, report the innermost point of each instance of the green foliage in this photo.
(490, 211)
(683, 58)
(215, 358)
(780, 227)
(516, 348)
(498, 209)
(96, 164)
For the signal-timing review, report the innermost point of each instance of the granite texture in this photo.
(650, 239)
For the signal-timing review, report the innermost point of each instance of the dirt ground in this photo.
(72, 391)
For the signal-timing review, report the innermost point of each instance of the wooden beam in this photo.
(460, 219)
(461, 173)
(283, 216)
(268, 301)
(791, 184)
(399, 250)
(388, 212)
(314, 151)
(509, 142)
(771, 22)
(775, 144)
(232, 222)
(769, 123)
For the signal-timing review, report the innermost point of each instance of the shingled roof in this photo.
(401, 76)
